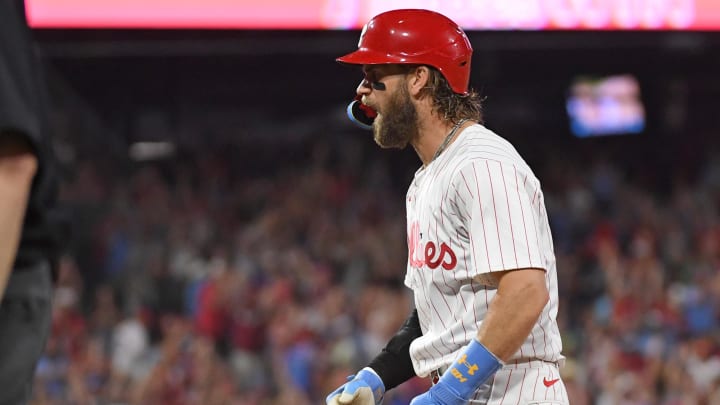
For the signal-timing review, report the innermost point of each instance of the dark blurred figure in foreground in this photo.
(28, 242)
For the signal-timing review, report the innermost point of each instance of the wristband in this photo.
(475, 366)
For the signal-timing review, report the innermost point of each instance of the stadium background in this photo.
(254, 253)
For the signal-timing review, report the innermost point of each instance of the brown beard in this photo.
(397, 126)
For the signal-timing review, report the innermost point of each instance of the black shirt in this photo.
(23, 103)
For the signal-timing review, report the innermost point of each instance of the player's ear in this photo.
(417, 79)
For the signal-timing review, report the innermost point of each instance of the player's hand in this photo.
(365, 388)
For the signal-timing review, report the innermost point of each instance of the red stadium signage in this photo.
(692, 15)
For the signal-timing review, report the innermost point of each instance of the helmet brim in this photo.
(368, 57)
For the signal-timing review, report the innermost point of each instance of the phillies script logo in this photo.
(445, 257)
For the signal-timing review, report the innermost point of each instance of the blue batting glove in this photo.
(462, 378)
(365, 388)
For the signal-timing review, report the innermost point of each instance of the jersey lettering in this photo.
(434, 259)
(413, 245)
(445, 250)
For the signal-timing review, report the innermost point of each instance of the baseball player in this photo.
(481, 262)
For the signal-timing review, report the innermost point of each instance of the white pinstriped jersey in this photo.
(476, 209)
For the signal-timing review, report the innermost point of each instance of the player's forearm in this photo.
(17, 169)
(513, 312)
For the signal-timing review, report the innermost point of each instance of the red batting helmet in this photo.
(421, 37)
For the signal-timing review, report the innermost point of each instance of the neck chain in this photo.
(448, 138)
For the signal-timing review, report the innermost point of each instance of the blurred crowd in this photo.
(197, 281)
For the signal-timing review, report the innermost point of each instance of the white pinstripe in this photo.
(480, 207)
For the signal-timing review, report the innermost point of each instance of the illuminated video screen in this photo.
(607, 105)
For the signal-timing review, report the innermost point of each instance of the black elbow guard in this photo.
(393, 364)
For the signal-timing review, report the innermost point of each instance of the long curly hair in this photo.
(450, 105)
